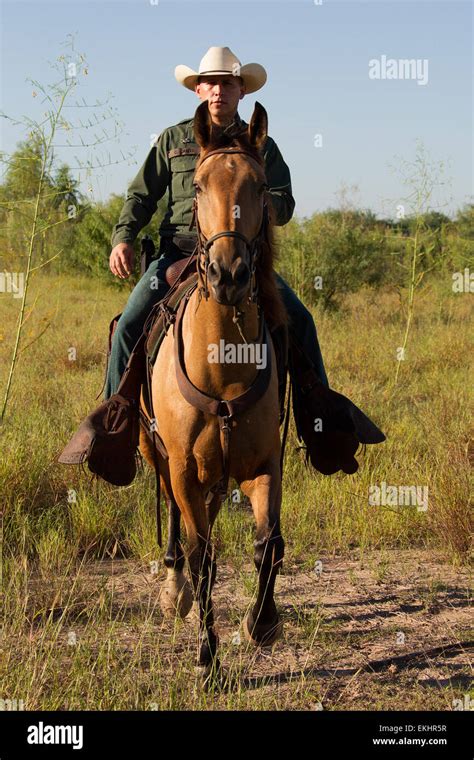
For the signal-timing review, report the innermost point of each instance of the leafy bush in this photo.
(90, 247)
(333, 253)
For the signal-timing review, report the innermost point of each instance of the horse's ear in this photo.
(258, 127)
(202, 125)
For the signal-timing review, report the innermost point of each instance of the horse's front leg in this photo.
(202, 565)
(262, 625)
(176, 595)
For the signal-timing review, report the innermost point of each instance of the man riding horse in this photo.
(222, 81)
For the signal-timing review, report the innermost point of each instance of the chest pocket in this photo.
(182, 172)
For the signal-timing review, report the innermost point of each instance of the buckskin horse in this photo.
(219, 420)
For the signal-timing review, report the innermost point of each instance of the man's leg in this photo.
(109, 456)
(302, 328)
(150, 289)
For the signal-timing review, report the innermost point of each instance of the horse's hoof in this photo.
(176, 597)
(262, 635)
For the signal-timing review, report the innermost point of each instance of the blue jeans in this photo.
(152, 287)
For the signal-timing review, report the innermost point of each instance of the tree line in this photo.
(324, 256)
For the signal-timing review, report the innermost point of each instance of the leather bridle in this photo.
(204, 244)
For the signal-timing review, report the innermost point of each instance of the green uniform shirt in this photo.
(170, 165)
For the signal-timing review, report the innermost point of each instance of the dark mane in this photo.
(268, 293)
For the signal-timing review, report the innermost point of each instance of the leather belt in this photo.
(185, 243)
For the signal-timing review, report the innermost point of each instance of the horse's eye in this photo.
(196, 187)
(262, 188)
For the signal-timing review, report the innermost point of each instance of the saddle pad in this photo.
(164, 314)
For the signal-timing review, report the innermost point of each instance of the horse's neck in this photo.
(206, 333)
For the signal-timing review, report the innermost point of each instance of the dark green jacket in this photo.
(170, 165)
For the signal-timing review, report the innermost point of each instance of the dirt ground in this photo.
(389, 631)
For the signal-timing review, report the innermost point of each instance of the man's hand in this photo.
(121, 260)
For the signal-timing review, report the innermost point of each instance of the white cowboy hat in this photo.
(221, 60)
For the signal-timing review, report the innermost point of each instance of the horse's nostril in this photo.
(241, 274)
(236, 277)
(214, 269)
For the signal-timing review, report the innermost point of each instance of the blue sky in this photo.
(317, 59)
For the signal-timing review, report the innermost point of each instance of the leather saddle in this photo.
(187, 245)
(175, 271)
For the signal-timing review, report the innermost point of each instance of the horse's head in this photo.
(230, 206)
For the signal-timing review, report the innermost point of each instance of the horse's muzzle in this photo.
(229, 285)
